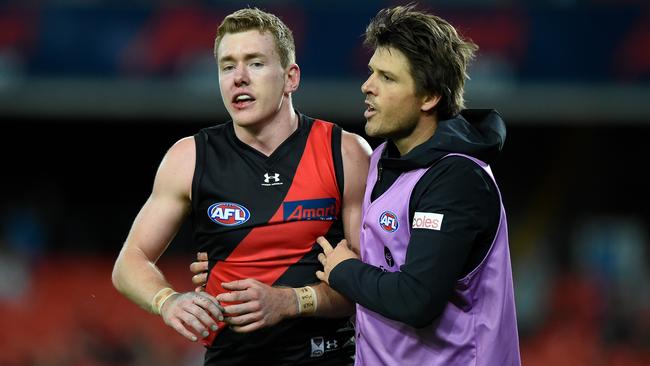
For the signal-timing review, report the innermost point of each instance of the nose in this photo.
(241, 76)
(366, 87)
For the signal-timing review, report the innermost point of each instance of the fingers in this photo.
(242, 308)
(322, 259)
(199, 267)
(236, 296)
(327, 247)
(184, 319)
(199, 320)
(247, 322)
(345, 243)
(239, 284)
(258, 306)
(200, 270)
(247, 328)
(211, 304)
(200, 279)
(192, 314)
(178, 326)
(321, 276)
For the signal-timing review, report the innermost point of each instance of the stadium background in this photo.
(92, 93)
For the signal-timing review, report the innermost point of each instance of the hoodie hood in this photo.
(479, 133)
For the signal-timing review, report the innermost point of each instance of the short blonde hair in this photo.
(253, 18)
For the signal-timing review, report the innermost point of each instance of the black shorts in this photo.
(267, 347)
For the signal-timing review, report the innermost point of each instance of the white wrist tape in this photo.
(159, 299)
(307, 300)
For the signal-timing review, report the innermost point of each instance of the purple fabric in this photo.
(477, 327)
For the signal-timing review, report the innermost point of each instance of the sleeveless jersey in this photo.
(478, 325)
(258, 217)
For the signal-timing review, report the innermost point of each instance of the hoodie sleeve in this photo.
(418, 293)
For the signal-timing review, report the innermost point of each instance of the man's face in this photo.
(252, 80)
(392, 107)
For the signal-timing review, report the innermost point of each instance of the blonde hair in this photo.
(255, 19)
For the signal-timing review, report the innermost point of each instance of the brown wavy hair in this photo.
(438, 56)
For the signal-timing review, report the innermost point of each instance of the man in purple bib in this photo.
(433, 285)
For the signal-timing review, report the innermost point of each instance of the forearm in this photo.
(137, 277)
(329, 303)
(398, 295)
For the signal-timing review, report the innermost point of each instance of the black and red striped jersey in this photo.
(258, 217)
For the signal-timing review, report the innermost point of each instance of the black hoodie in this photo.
(435, 260)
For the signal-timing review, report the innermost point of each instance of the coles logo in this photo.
(388, 221)
(428, 220)
(228, 213)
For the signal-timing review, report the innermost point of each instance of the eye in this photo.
(386, 77)
(225, 68)
(257, 64)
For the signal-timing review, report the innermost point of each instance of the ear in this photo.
(293, 79)
(429, 102)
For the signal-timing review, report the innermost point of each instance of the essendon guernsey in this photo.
(258, 217)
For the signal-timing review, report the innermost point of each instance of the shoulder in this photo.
(457, 180)
(175, 173)
(354, 146)
(181, 150)
(453, 167)
(180, 158)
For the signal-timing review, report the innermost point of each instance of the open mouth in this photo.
(370, 110)
(242, 100)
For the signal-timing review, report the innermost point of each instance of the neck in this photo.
(266, 135)
(424, 129)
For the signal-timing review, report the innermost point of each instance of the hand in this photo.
(331, 257)
(200, 270)
(192, 313)
(259, 306)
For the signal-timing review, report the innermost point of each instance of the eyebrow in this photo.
(382, 71)
(247, 57)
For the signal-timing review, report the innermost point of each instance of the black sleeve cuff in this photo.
(340, 275)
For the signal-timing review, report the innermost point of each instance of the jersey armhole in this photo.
(200, 142)
(337, 156)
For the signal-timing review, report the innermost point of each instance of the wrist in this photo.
(306, 299)
(160, 298)
(290, 303)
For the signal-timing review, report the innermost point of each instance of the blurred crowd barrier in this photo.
(68, 314)
(586, 60)
(65, 312)
(551, 41)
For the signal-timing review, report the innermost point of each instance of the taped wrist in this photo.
(307, 300)
(159, 299)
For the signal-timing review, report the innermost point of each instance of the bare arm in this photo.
(135, 273)
(356, 160)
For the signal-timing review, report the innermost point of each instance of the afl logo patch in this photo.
(388, 221)
(228, 213)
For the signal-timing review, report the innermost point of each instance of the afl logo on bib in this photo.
(228, 213)
(388, 221)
